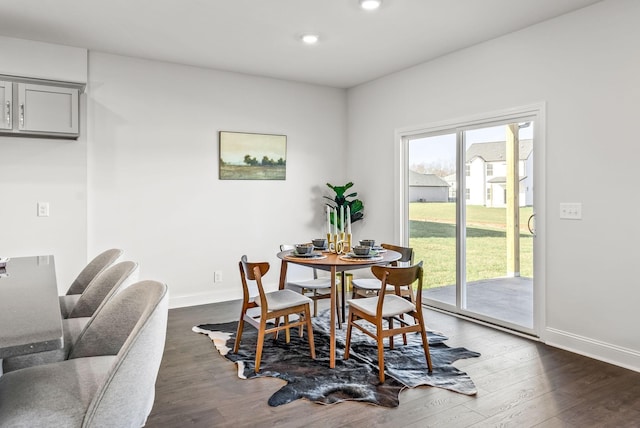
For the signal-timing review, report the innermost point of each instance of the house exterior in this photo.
(486, 172)
(427, 188)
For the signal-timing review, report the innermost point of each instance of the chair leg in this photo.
(425, 342)
(312, 346)
(287, 333)
(404, 335)
(380, 353)
(339, 311)
(259, 345)
(275, 333)
(347, 345)
(236, 346)
(390, 321)
(315, 303)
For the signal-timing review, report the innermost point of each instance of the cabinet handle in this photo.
(21, 115)
(9, 113)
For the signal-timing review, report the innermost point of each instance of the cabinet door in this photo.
(6, 98)
(50, 109)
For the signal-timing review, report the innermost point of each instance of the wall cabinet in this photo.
(6, 100)
(37, 109)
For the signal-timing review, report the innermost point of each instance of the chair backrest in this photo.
(132, 326)
(103, 286)
(405, 252)
(399, 276)
(253, 271)
(95, 266)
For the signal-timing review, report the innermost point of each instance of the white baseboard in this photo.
(607, 352)
(201, 299)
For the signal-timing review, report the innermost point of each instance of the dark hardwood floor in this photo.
(521, 383)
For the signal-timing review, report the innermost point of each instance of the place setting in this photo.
(307, 251)
(365, 251)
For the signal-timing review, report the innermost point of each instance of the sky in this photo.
(441, 148)
(235, 145)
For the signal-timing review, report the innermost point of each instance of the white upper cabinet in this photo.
(47, 109)
(39, 108)
(6, 101)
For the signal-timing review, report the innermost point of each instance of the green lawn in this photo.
(432, 236)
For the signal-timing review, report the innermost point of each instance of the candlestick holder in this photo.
(339, 243)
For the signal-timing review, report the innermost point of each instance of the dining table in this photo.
(30, 319)
(334, 263)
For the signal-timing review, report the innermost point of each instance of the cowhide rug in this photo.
(355, 379)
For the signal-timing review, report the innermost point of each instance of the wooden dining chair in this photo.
(389, 307)
(273, 305)
(367, 287)
(310, 285)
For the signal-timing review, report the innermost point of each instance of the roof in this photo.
(496, 151)
(426, 180)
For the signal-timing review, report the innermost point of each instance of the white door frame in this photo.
(535, 112)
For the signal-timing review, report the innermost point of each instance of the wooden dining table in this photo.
(334, 263)
(30, 318)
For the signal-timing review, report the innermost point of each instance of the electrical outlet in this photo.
(571, 210)
(217, 276)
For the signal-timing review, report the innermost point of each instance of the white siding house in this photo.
(486, 172)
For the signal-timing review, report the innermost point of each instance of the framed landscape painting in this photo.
(248, 156)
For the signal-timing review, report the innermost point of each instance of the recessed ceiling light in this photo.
(370, 4)
(310, 39)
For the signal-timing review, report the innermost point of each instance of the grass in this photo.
(432, 235)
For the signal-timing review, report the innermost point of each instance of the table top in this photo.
(30, 319)
(340, 262)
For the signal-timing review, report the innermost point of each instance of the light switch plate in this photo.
(43, 209)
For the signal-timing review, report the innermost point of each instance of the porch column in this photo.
(513, 200)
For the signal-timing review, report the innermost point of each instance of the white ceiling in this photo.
(260, 37)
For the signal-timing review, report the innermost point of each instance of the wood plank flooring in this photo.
(521, 383)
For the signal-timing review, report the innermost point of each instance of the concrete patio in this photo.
(505, 299)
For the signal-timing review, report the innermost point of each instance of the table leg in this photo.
(343, 286)
(283, 274)
(332, 323)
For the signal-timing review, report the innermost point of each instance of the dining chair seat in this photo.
(274, 305)
(311, 284)
(282, 299)
(393, 305)
(369, 284)
(386, 312)
(365, 287)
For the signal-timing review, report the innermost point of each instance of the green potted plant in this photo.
(342, 200)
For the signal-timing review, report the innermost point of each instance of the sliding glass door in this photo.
(470, 195)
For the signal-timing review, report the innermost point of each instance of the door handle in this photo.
(21, 115)
(8, 115)
(531, 224)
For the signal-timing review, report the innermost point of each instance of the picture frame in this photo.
(252, 156)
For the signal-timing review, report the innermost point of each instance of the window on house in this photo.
(467, 170)
(468, 193)
(488, 193)
(489, 169)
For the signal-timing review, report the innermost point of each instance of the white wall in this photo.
(585, 66)
(44, 169)
(153, 170)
